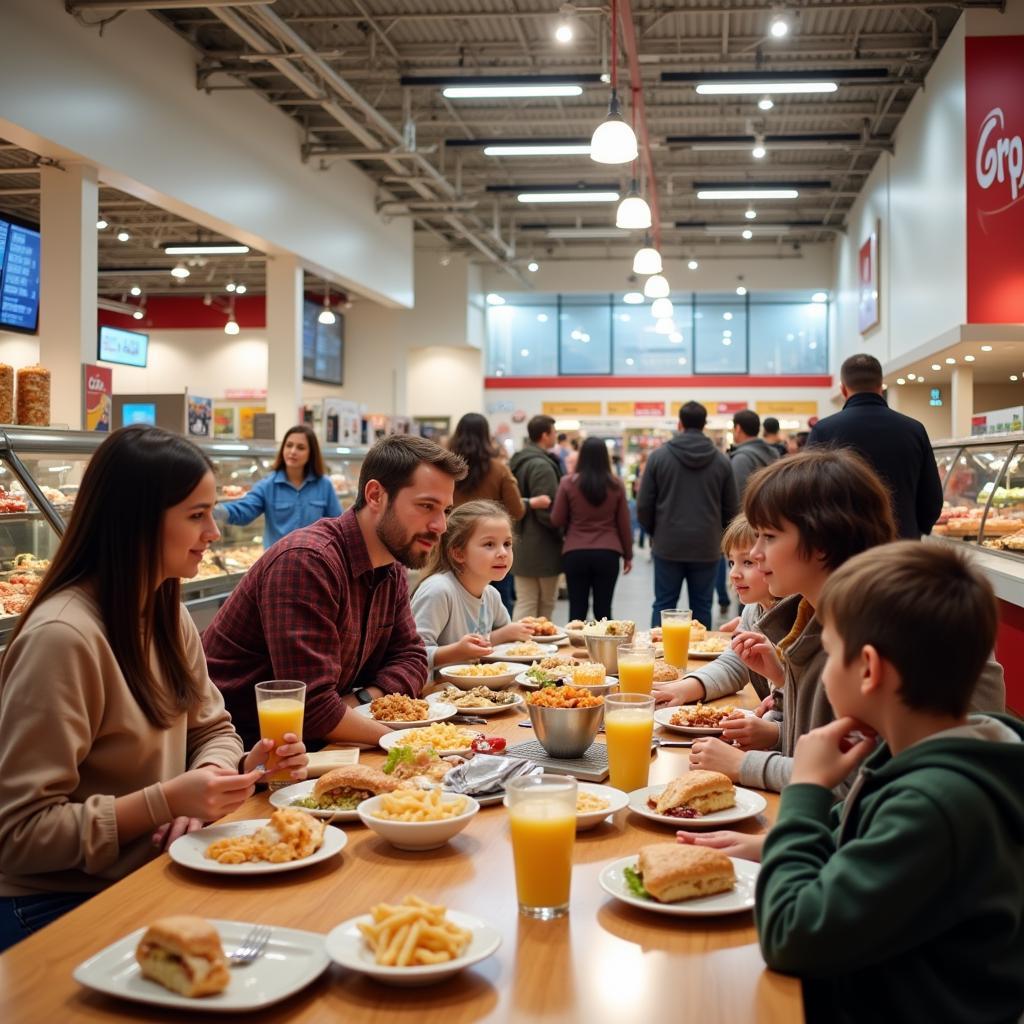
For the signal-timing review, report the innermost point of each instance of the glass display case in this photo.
(40, 472)
(983, 491)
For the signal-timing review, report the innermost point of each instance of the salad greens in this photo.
(635, 883)
(397, 756)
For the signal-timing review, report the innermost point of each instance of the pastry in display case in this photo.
(983, 491)
(343, 467)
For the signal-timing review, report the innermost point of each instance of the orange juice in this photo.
(628, 734)
(635, 676)
(543, 832)
(278, 716)
(676, 638)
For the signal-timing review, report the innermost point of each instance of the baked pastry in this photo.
(699, 791)
(671, 872)
(664, 672)
(183, 954)
(349, 785)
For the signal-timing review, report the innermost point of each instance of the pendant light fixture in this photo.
(231, 327)
(656, 287)
(661, 309)
(327, 316)
(633, 213)
(614, 142)
(647, 260)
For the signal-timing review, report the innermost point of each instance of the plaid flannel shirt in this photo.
(313, 608)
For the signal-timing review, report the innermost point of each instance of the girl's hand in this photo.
(762, 709)
(757, 652)
(291, 755)
(513, 632)
(209, 793)
(166, 834)
(734, 844)
(748, 732)
(471, 646)
(715, 756)
(540, 501)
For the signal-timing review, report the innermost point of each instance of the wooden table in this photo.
(606, 961)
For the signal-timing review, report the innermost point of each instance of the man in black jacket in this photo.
(895, 445)
(687, 498)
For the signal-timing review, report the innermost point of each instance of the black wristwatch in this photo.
(363, 695)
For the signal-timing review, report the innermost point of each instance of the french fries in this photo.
(412, 933)
(418, 805)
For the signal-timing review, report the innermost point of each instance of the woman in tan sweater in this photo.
(489, 477)
(115, 742)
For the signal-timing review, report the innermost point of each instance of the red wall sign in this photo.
(995, 179)
(648, 408)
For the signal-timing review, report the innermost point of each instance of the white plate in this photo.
(284, 798)
(189, 850)
(292, 960)
(749, 803)
(436, 698)
(554, 638)
(346, 946)
(663, 717)
(437, 712)
(394, 739)
(591, 819)
(705, 655)
(500, 653)
(529, 684)
(738, 900)
(468, 682)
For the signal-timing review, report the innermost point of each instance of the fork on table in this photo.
(251, 947)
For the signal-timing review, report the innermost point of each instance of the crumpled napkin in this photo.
(487, 773)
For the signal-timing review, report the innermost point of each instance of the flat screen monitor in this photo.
(128, 348)
(138, 412)
(323, 346)
(19, 276)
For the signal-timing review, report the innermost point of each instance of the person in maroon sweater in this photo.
(591, 506)
(329, 604)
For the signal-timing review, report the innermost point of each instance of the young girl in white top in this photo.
(459, 615)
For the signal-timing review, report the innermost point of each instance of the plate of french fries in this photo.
(414, 942)
(418, 819)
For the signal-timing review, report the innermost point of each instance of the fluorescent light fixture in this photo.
(765, 103)
(748, 193)
(747, 234)
(752, 88)
(656, 287)
(665, 326)
(632, 298)
(494, 299)
(609, 232)
(533, 266)
(206, 250)
(741, 290)
(135, 290)
(661, 309)
(554, 149)
(180, 272)
(568, 197)
(494, 92)
(231, 327)
(986, 348)
(692, 265)
(633, 213)
(613, 141)
(819, 297)
(647, 261)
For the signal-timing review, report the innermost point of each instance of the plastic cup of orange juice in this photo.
(636, 668)
(675, 635)
(542, 814)
(280, 704)
(628, 728)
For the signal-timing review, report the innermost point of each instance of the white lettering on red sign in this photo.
(96, 384)
(1000, 158)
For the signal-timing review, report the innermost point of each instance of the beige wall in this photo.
(988, 397)
(444, 382)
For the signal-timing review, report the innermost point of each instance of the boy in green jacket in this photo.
(906, 902)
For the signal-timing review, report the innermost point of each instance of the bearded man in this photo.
(328, 605)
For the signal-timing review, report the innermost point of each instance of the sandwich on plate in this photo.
(670, 873)
(696, 793)
(183, 954)
(345, 788)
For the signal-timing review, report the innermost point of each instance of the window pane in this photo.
(788, 337)
(640, 350)
(522, 341)
(720, 331)
(586, 336)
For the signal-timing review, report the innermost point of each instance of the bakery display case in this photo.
(983, 491)
(40, 472)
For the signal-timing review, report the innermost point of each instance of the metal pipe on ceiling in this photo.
(101, 6)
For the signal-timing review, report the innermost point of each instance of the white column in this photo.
(961, 400)
(69, 204)
(284, 340)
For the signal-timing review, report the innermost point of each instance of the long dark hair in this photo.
(594, 470)
(113, 545)
(315, 462)
(472, 440)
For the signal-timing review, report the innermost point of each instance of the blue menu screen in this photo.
(19, 277)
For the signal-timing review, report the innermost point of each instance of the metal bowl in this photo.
(605, 649)
(565, 732)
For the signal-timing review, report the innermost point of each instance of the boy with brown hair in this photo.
(906, 902)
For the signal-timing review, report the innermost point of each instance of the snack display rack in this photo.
(41, 469)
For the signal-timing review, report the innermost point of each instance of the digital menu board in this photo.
(323, 346)
(129, 348)
(19, 276)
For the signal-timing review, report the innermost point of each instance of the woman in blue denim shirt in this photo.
(296, 494)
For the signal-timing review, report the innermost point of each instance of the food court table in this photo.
(606, 961)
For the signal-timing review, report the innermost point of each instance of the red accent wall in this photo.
(1010, 653)
(189, 312)
(724, 381)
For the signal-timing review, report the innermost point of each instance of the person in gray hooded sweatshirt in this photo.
(687, 498)
(751, 452)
